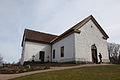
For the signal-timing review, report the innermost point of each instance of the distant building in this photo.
(81, 43)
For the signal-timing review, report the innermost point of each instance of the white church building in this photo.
(81, 43)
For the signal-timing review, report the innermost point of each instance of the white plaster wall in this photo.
(69, 45)
(89, 36)
(33, 48)
(22, 55)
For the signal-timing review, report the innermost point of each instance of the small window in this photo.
(62, 51)
(54, 54)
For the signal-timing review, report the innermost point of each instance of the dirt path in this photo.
(9, 76)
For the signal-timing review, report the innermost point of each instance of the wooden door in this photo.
(94, 54)
(41, 56)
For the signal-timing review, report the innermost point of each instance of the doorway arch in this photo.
(94, 54)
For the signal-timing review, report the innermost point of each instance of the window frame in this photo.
(62, 51)
(53, 54)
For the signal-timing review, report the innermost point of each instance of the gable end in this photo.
(78, 26)
(96, 23)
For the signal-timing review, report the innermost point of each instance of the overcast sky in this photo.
(52, 16)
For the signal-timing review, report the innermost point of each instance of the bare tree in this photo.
(114, 52)
(1, 60)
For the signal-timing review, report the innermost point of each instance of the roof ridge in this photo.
(79, 25)
(72, 30)
(73, 27)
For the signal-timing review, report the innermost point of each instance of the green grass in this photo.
(109, 72)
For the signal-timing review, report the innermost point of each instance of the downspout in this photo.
(51, 52)
(74, 48)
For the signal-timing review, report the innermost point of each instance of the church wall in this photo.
(33, 48)
(69, 51)
(90, 35)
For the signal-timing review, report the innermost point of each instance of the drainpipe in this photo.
(51, 52)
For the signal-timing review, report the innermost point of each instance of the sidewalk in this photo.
(9, 76)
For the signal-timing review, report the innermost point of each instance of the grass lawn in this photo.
(108, 72)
